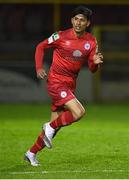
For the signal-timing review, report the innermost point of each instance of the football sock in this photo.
(39, 144)
(64, 119)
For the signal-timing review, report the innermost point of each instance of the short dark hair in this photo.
(82, 10)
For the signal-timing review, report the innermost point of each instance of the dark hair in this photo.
(82, 10)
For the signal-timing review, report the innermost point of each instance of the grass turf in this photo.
(95, 147)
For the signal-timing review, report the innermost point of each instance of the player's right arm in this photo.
(39, 57)
(39, 54)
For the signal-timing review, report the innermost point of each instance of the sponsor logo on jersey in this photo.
(77, 53)
(53, 38)
(63, 94)
(87, 46)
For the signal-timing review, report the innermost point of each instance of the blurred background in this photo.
(24, 23)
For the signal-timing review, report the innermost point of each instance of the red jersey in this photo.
(70, 54)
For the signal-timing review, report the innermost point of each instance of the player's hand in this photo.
(98, 58)
(41, 73)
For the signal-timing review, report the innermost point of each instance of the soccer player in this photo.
(73, 48)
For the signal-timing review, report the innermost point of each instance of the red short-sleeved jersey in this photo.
(70, 54)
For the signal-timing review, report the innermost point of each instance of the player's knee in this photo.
(82, 113)
(79, 114)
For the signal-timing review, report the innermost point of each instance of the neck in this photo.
(79, 34)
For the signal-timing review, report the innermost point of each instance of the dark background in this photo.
(24, 25)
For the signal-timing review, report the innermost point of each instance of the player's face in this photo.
(80, 23)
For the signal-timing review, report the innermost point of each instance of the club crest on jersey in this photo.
(87, 46)
(63, 94)
(77, 53)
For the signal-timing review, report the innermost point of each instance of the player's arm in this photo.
(39, 54)
(98, 58)
(95, 58)
(39, 59)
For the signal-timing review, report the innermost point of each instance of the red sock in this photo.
(64, 119)
(39, 144)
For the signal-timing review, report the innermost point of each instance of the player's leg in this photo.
(74, 112)
(39, 144)
(30, 155)
(76, 108)
(55, 115)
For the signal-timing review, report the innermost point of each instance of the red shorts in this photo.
(60, 94)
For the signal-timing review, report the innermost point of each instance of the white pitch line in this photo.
(73, 171)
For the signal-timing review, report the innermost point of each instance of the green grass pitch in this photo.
(95, 147)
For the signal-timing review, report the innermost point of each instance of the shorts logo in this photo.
(63, 94)
(87, 46)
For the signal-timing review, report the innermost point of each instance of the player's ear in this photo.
(88, 23)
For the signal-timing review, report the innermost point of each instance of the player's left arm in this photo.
(98, 58)
(95, 58)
